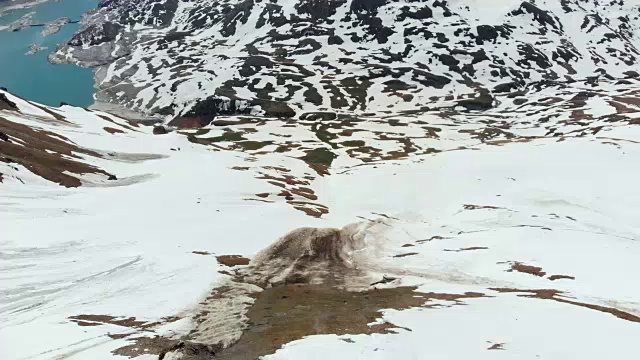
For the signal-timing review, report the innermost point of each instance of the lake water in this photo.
(31, 76)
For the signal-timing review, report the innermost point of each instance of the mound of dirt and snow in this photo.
(310, 281)
(309, 255)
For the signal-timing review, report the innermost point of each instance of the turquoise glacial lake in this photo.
(32, 76)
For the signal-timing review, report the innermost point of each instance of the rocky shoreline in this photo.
(54, 26)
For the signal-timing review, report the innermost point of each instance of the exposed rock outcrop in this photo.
(346, 56)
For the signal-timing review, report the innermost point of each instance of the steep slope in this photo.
(285, 57)
(345, 179)
(59, 144)
(508, 232)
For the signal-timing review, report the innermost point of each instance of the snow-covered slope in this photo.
(505, 233)
(345, 179)
(287, 57)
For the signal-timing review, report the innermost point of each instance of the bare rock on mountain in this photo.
(286, 57)
(482, 102)
(6, 104)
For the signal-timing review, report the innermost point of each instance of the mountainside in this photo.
(288, 57)
(327, 179)
(479, 234)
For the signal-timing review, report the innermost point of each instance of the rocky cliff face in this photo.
(286, 56)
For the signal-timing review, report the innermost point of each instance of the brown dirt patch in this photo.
(468, 249)
(46, 154)
(320, 169)
(511, 141)
(318, 212)
(305, 193)
(405, 254)
(629, 100)
(111, 130)
(145, 346)
(159, 345)
(130, 322)
(232, 260)
(309, 208)
(201, 252)
(527, 269)
(287, 179)
(277, 184)
(436, 237)
(86, 323)
(557, 277)
(478, 207)
(498, 346)
(141, 345)
(620, 108)
(277, 168)
(556, 295)
(286, 313)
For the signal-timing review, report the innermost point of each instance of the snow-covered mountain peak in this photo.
(287, 57)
